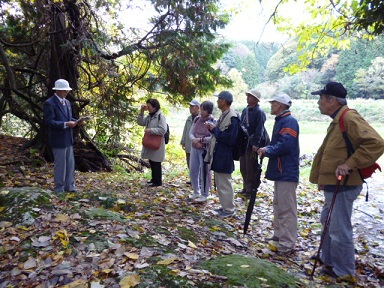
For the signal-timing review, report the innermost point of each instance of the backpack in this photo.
(365, 172)
(167, 133)
(239, 148)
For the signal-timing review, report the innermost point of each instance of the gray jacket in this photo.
(185, 140)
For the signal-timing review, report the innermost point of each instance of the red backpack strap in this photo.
(341, 120)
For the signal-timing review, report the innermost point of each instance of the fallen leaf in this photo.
(190, 244)
(77, 284)
(167, 261)
(62, 218)
(130, 281)
(30, 263)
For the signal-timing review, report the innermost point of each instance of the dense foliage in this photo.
(110, 67)
(358, 68)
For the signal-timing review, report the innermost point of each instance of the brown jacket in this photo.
(368, 144)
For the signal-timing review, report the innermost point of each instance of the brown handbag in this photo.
(152, 141)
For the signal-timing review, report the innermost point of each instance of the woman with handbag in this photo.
(153, 140)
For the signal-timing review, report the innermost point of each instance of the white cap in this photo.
(282, 98)
(194, 102)
(62, 84)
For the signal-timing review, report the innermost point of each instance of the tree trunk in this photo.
(63, 65)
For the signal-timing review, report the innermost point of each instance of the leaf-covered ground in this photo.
(117, 232)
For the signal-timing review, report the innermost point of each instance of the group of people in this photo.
(209, 144)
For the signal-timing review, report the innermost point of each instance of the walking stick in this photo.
(326, 224)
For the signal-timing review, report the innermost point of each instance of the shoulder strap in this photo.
(349, 145)
(341, 120)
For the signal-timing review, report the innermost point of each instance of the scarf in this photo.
(200, 130)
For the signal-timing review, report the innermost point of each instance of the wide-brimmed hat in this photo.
(62, 84)
(282, 98)
(255, 93)
(332, 88)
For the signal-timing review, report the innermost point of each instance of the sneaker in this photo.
(194, 196)
(201, 199)
(224, 214)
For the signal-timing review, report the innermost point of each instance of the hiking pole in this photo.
(327, 221)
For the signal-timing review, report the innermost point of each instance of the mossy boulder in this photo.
(22, 205)
(250, 272)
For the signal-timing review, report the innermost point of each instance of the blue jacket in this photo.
(222, 161)
(284, 151)
(55, 115)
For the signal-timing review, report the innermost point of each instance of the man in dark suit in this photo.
(58, 118)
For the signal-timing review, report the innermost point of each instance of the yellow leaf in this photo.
(130, 281)
(107, 271)
(190, 244)
(166, 261)
(63, 236)
(2, 208)
(133, 256)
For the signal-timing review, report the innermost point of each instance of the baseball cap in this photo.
(282, 98)
(62, 84)
(255, 93)
(194, 102)
(226, 95)
(332, 88)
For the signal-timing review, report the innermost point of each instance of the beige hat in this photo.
(255, 93)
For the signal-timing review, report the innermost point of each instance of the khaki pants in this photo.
(225, 190)
(285, 213)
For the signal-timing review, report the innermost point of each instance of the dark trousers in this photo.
(156, 172)
(188, 158)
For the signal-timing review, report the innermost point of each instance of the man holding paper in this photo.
(60, 123)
